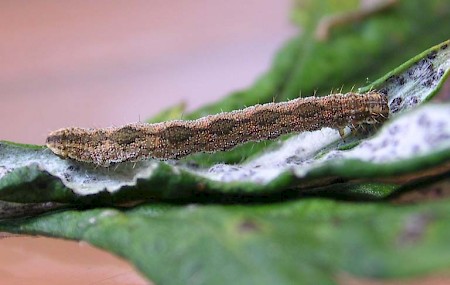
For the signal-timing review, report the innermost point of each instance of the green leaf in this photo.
(301, 242)
(408, 143)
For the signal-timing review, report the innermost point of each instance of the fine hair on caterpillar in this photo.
(178, 138)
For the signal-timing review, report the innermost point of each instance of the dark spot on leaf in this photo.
(432, 55)
(395, 105)
(412, 101)
(424, 62)
(248, 226)
(67, 176)
(430, 78)
(383, 91)
(293, 159)
(420, 67)
(73, 168)
(444, 47)
(439, 74)
(428, 83)
(392, 79)
(397, 80)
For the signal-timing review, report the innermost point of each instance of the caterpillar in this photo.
(178, 138)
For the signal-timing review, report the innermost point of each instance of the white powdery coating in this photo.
(294, 151)
(412, 87)
(418, 133)
(91, 180)
(81, 178)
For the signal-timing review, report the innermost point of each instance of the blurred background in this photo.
(81, 63)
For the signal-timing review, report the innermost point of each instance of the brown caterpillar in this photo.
(175, 139)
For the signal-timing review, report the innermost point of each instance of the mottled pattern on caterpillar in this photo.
(178, 138)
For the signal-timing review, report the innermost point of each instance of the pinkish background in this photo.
(80, 63)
